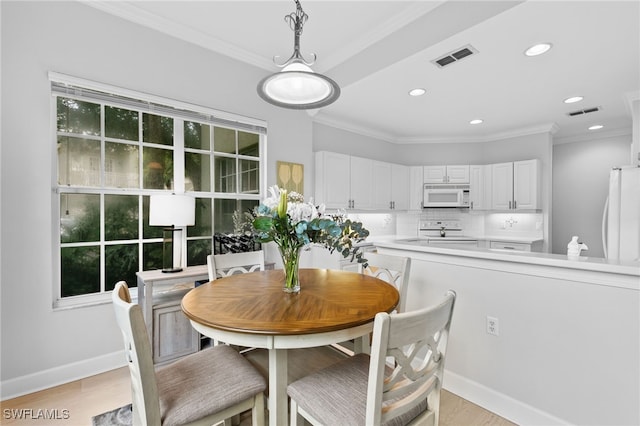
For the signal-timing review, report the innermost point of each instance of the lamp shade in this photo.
(298, 87)
(177, 210)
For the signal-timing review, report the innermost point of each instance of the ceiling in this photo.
(378, 50)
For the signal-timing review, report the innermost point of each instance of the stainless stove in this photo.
(444, 232)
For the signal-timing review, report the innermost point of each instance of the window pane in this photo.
(247, 206)
(224, 140)
(121, 264)
(249, 176)
(157, 129)
(120, 217)
(158, 168)
(197, 251)
(202, 228)
(198, 172)
(79, 218)
(121, 123)
(149, 231)
(80, 269)
(197, 136)
(78, 117)
(121, 167)
(225, 174)
(78, 161)
(152, 256)
(248, 144)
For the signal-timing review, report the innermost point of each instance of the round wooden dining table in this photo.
(252, 310)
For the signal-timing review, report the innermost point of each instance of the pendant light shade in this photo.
(297, 86)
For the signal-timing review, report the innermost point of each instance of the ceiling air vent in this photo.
(583, 111)
(455, 56)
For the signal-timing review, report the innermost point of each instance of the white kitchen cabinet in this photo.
(382, 185)
(516, 186)
(502, 186)
(361, 188)
(480, 187)
(501, 245)
(333, 180)
(446, 174)
(416, 192)
(348, 182)
(399, 187)
(526, 185)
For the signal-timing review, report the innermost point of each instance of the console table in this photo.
(169, 329)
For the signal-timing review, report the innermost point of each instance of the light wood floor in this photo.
(85, 398)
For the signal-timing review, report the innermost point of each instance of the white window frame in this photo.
(74, 87)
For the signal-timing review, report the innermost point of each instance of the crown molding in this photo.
(550, 128)
(354, 128)
(594, 136)
(139, 16)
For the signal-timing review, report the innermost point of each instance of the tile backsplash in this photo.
(474, 223)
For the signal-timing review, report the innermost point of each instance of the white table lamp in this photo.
(172, 211)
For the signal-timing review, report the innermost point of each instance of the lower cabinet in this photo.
(173, 335)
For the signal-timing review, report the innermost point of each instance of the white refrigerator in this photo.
(621, 218)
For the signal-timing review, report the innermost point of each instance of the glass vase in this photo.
(291, 264)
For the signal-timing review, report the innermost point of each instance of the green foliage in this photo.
(336, 233)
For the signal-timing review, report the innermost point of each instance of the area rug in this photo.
(118, 417)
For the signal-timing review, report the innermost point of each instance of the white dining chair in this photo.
(393, 269)
(223, 265)
(398, 384)
(207, 387)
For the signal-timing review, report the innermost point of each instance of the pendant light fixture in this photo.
(296, 86)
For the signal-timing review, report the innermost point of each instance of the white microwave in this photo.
(445, 196)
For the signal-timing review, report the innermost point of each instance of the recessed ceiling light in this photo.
(573, 99)
(476, 121)
(417, 92)
(596, 127)
(537, 49)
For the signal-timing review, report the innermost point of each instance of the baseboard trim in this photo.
(498, 403)
(45, 379)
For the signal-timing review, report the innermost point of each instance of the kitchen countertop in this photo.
(533, 258)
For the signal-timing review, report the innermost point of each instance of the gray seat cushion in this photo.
(205, 383)
(337, 395)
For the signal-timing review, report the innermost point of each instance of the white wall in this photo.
(568, 343)
(41, 347)
(580, 187)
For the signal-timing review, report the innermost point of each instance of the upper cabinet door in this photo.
(502, 186)
(458, 174)
(361, 183)
(435, 174)
(526, 185)
(333, 176)
(400, 187)
(446, 174)
(381, 185)
(416, 187)
(480, 187)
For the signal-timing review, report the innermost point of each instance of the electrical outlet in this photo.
(493, 326)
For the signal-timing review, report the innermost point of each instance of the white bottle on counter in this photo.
(574, 247)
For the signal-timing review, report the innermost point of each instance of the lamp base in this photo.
(172, 270)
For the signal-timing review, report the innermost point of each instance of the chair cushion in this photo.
(337, 395)
(205, 383)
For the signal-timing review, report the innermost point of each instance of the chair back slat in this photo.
(416, 341)
(393, 269)
(224, 265)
